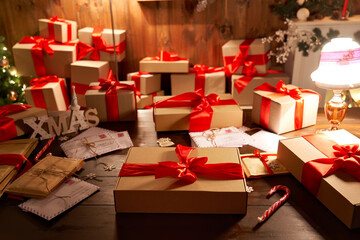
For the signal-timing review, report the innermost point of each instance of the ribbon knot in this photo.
(44, 80)
(295, 93)
(347, 151)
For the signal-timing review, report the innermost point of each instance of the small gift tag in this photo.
(165, 142)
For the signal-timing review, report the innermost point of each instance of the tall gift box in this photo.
(145, 82)
(49, 92)
(166, 62)
(327, 164)
(115, 101)
(59, 29)
(237, 52)
(11, 119)
(284, 108)
(85, 72)
(37, 56)
(243, 86)
(147, 100)
(163, 193)
(195, 112)
(210, 79)
(97, 44)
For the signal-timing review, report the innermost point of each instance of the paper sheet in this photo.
(265, 141)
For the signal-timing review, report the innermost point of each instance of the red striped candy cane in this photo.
(36, 159)
(277, 204)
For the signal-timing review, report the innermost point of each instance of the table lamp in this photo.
(339, 69)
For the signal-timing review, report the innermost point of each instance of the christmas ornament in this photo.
(302, 14)
(201, 5)
(4, 62)
(300, 2)
(13, 96)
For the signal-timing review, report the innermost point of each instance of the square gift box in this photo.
(212, 82)
(145, 194)
(59, 29)
(252, 49)
(147, 100)
(86, 36)
(49, 93)
(309, 158)
(280, 112)
(242, 88)
(146, 83)
(176, 115)
(28, 64)
(83, 73)
(120, 107)
(166, 62)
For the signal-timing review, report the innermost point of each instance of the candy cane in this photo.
(36, 159)
(277, 204)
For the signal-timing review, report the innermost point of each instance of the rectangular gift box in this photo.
(177, 118)
(85, 36)
(145, 194)
(58, 64)
(182, 83)
(146, 83)
(282, 115)
(61, 31)
(156, 66)
(54, 97)
(258, 53)
(126, 103)
(147, 100)
(85, 72)
(339, 192)
(245, 97)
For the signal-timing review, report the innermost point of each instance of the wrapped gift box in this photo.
(243, 87)
(146, 83)
(182, 83)
(49, 93)
(339, 192)
(85, 36)
(178, 118)
(61, 30)
(58, 64)
(166, 62)
(85, 72)
(125, 105)
(145, 194)
(281, 113)
(257, 53)
(147, 100)
(12, 125)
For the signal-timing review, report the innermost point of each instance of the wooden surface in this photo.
(302, 216)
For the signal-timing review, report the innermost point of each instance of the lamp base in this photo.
(335, 110)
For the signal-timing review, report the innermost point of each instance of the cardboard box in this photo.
(147, 100)
(63, 31)
(145, 194)
(339, 192)
(156, 66)
(126, 103)
(53, 95)
(21, 127)
(182, 83)
(281, 118)
(258, 53)
(245, 97)
(85, 36)
(177, 118)
(146, 83)
(85, 72)
(58, 64)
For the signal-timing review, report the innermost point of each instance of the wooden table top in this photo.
(301, 217)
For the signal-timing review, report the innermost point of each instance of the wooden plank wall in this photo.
(153, 25)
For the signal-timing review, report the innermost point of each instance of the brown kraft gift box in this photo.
(339, 192)
(147, 99)
(146, 83)
(145, 194)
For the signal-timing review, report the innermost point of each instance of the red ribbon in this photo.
(111, 86)
(345, 157)
(200, 71)
(165, 57)
(201, 113)
(99, 45)
(39, 83)
(186, 169)
(16, 160)
(264, 159)
(37, 52)
(51, 27)
(281, 89)
(136, 78)
(7, 125)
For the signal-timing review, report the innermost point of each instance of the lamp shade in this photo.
(339, 66)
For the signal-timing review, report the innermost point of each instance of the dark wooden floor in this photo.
(302, 216)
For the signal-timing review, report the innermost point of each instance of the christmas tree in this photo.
(11, 86)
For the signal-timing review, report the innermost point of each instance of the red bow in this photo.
(44, 80)
(186, 169)
(264, 158)
(165, 56)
